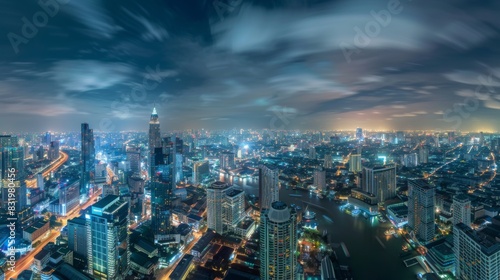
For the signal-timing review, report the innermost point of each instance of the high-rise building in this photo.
(53, 152)
(234, 207)
(320, 179)
(12, 167)
(421, 202)
(359, 133)
(134, 157)
(227, 161)
(154, 138)
(379, 181)
(216, 194)
(268, 186)
(423, 154)
(328, 161)
(278, 242)
(355, 163)
(69, 197)
(87, 159)
(201, 170)
(47, 138)
(461, 210)
(410, 160)
(40, 183)
(477, 254)
(107, 238)
(312, 152)
(77, 236)
(400, 137)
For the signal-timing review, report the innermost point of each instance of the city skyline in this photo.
(208, 65)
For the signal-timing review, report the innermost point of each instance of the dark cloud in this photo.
(260, 64)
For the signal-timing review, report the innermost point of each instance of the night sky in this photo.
(284, 64)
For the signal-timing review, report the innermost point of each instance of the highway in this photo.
(25, 261)
(63, 157)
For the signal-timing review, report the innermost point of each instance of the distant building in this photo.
(87, 159)
(107, 238)
(268, 186)
(328, 161)
(134, 157)
(410, 160)
(355, 163)
(201, 170)
(320, 179)
(461, 210)
(359, 134)
(423, 154)
(278, 242)
(421, 203)
(227, 161)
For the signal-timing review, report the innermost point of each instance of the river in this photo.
(370, 259)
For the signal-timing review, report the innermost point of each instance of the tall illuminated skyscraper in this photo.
(380, 181)
(268, 186)
(278, 242)
(421, 202)
(154, 137)
(87, 159)
(216, 194)
(107, 238)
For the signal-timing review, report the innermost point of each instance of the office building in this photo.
(359, 134)
(216, 194)
(461, 210)
(355, 163)
(87, 159)
(421, 202)
(379, 181)
(53, 152)
(227, 161)
(69, 198)
(201, 170)
(77, 236)
(423, 154)
(328, 161)
(320, 179)
(278, 242)
(410, 160)
(477, 255)
(234, 207)
(268, 186)
(107, 238)
(134, 157)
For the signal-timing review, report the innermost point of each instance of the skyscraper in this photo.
(355, 163)
(216, 194)
(87, 159)
(77, 236)
(410, 160)
(134, 157)
(154, 137)
(227, 160)
(359, 134)
(53, 153)
(201, 170)
(234, 207)
(380, 181)
(107, 238)
(320, 179)
(268, 186)
(423, 154)
(421, 202)
(278, 242)
(461, 210)
(312, 152)
(477, 254)
(328, 161)
(12, 166)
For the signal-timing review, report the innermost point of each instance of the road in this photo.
(165, 275)
(63, 157)
(25, 261)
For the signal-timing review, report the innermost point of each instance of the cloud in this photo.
(153, 31)
(472, 78)
(92, 14)
(85, 75)
(281, 109)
